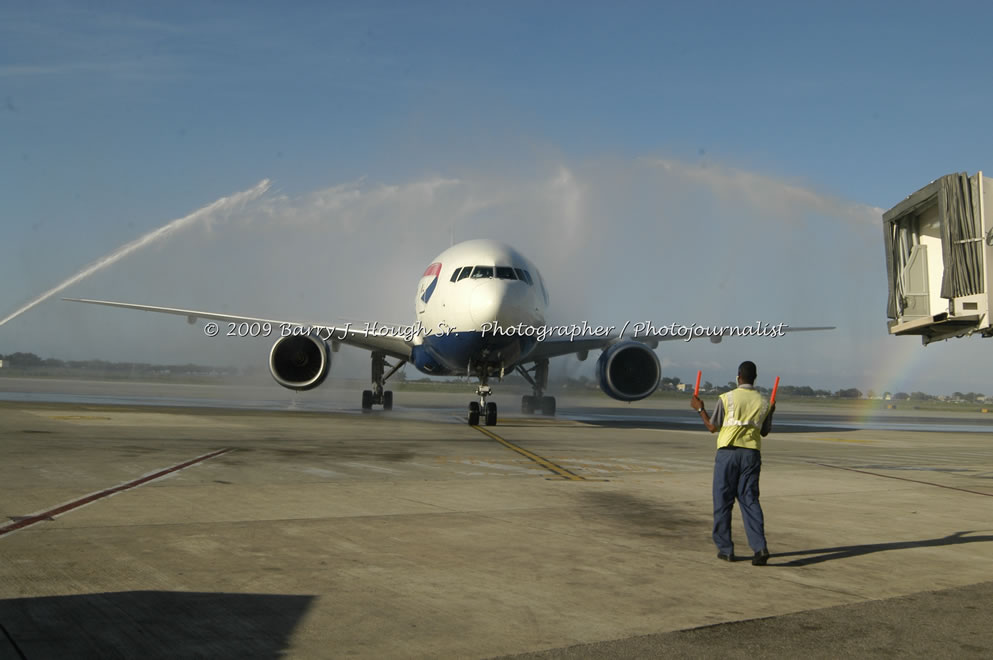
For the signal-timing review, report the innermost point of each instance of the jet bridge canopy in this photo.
(939, 248)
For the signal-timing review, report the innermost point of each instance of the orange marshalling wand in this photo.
(775, 387)
(696, 388)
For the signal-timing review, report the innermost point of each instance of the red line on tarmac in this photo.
(92, 497)
(913, 481)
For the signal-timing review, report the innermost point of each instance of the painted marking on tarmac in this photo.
(374, 468)
(916, 481)
(20, 522)
(543, 462)
(853, 440)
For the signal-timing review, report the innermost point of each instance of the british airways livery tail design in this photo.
(429, 280)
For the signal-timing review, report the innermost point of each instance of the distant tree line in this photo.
(845, 393)
(786, 390)
(968, 397)
(971, 397)
(32, 361)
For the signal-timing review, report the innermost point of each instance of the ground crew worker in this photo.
(743, 418)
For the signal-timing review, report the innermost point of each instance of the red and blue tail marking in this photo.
(434, 270)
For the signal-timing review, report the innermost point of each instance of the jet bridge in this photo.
(939, 254)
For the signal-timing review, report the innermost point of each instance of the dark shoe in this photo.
(724, 557)
(761, 557)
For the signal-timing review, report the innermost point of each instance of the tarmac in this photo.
(167, 531)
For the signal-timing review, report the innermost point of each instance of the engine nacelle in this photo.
(300, 362)
(628, 371)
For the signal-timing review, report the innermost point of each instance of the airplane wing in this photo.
(555, 347)
(392, 344)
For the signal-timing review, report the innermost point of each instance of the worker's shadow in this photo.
(844, 552)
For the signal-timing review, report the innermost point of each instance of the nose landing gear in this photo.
(488, 411)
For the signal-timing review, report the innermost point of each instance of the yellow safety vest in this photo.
(744, 412)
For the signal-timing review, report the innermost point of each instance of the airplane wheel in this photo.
(474, 413)
(491, 414)
(366, 399)
(548, 405)
(527, 404)
(388, 400)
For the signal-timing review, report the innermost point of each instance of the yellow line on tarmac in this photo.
(543, 462)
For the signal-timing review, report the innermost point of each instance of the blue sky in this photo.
(118, 117)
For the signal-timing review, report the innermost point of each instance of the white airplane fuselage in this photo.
(470, 303)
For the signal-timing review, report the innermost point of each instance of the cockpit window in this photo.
(486, 272)
(541, 284)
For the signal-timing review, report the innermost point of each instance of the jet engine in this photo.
(300, 362)
(628, 371)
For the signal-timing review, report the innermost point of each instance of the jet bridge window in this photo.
(523, 275)
(481, 272)
(505, 273)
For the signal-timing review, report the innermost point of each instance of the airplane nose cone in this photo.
(486, 302)
(500, 301)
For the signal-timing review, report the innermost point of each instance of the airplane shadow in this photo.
(151, 624)
(846, 552)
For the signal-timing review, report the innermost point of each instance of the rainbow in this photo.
(893, 368)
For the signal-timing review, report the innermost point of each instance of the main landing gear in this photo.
(531, 403)
(377, 395)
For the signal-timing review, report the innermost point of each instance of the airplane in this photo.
(480, 312)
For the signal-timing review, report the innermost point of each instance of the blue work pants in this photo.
(736, 475)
